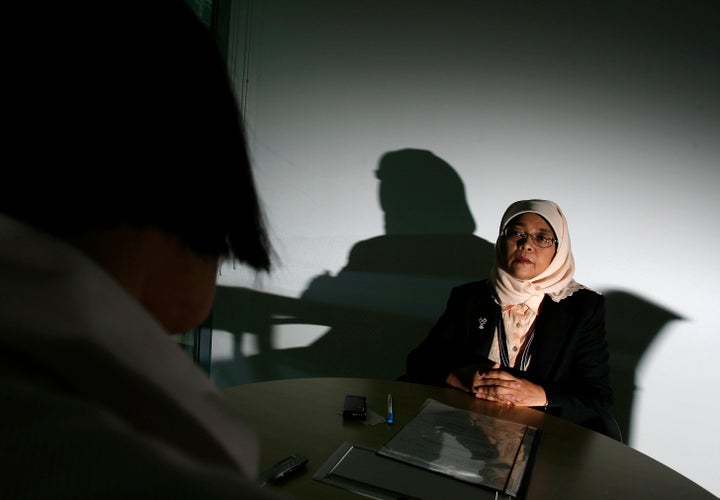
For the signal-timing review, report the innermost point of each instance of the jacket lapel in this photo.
(486, 317)
(550, 332)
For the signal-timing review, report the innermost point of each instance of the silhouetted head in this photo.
(123, 114)
(422, 194)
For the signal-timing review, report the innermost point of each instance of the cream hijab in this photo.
(557, 280)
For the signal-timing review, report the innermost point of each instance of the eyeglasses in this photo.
(539, 239)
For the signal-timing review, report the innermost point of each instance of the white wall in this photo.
(613, 111)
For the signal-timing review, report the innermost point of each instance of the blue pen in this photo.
(390, 416)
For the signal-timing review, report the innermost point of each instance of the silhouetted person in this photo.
(125, 119)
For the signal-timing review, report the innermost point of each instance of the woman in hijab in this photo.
(530, 335)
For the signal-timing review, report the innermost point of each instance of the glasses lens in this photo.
(540, 240)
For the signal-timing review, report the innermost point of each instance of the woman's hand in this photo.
(454, 381)
(498, 385)
(462, 378)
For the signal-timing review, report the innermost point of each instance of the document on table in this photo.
(466, 445)
(442, 452)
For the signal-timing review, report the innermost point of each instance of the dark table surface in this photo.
(304, 415)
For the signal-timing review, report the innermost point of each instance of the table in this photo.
(304, 415)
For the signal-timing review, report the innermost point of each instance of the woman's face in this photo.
(523, 258)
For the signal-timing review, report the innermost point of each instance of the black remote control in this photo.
(283, 468)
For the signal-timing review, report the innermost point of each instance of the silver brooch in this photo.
(482, 322)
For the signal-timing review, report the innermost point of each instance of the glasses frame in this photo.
(522, 235)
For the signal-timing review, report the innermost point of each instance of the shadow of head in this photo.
(422, 194)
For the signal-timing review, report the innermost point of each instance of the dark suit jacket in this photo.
(570, 359)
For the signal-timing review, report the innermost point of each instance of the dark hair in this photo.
(124, 114)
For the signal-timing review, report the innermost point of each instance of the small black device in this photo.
(283, 468)
(355, 407)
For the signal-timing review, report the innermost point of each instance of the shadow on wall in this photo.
(384, 300)
(392, 290)
(632, 324)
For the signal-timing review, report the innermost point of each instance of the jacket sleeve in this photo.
(455, 341)
(573, 366)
